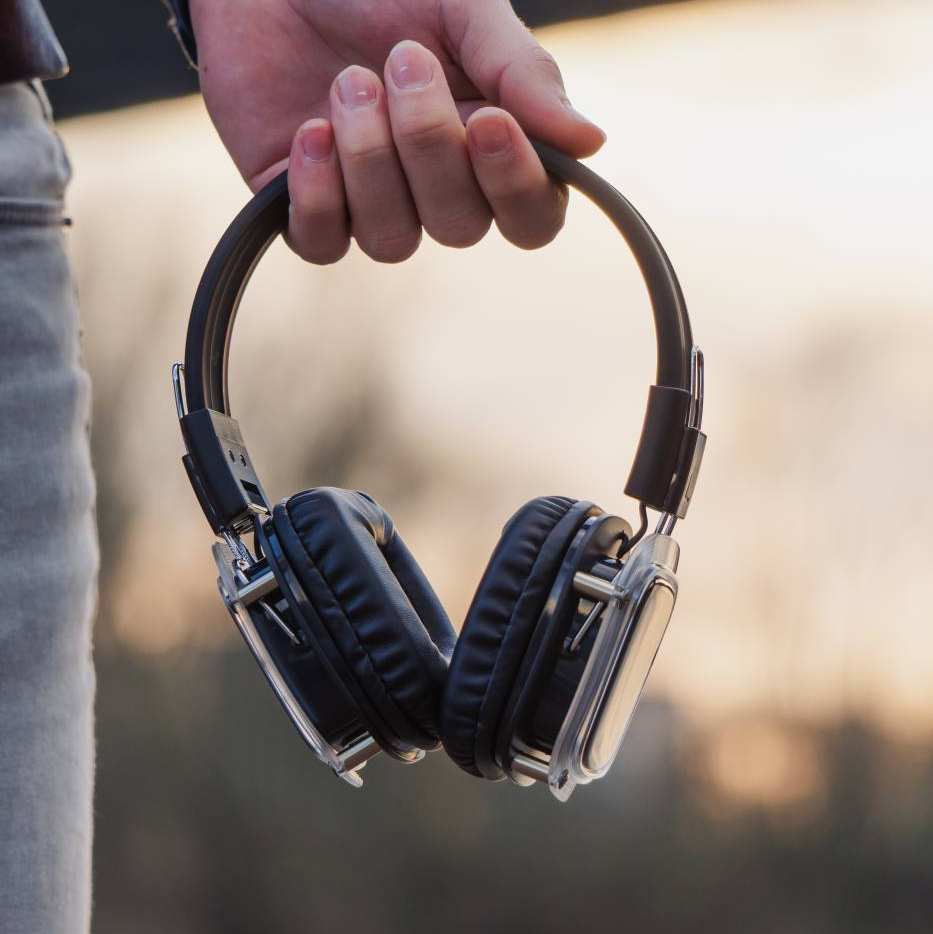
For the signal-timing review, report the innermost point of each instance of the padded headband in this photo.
(660, 457)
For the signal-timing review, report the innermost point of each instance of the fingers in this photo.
(529, 207)
(431, 143)
(318, 226)
(384, 220)
(397, 156)
(506, 63)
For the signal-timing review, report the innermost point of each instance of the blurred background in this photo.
(779, 774)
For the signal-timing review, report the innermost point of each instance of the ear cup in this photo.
(374, 602)
(499, 626)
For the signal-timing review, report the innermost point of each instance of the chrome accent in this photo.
(572, 645)
(257, 588)
(357, 755)
(228, 582)
(517, 747)
(660, 550)
(412, 756)
(693, 471)
(695, 413)
(652, 562)
(244, 560)
(596, 588)
(344, 762)
(275, 618)
(177, 370)
(530, 767)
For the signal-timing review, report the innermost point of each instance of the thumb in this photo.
(508, 66)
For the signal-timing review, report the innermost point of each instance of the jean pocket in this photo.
(32, 212)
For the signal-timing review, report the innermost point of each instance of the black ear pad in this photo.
(375, 604)
(500, 624)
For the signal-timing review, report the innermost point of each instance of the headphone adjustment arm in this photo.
(219, 466)
(670, 452)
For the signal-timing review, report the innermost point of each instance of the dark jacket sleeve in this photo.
(28, 47)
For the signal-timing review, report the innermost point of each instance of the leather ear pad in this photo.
(499, 626)
(374, 602)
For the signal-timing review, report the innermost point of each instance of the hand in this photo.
(365, 101)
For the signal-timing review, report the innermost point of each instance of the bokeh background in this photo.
(779, 775)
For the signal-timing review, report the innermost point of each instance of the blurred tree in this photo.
(212, 817)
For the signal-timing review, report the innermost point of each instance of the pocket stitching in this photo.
(31, 212)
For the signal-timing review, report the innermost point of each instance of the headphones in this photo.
(552, 657)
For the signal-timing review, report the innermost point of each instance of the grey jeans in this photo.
(48, 568)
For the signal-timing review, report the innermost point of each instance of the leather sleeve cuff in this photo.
(180, 24)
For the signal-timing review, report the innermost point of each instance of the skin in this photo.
(391, 116)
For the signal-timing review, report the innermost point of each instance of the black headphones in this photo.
(569, 614)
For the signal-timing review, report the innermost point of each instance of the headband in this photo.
(666, 462)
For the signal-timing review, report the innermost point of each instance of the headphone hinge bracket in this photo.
(670, 452)
(221, 471)
(684, 481)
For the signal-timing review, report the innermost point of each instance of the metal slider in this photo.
(602, 592)
(696, 389)
(275, 618)
(257, 588)
(571, 645)
(244, 560)
(668, 520)
(237, 592)
(530, 767)
(596, 588)
(177, 370)
(246, 591)
(357, 755)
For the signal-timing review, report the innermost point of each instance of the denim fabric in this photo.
(48, 567)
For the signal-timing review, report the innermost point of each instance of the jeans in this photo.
(48, 567)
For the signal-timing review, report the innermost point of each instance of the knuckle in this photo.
(360, 154)
(536, 58)
(540, 56)
(309, 206)
(421, 137)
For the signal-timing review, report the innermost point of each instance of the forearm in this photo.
(48, 574)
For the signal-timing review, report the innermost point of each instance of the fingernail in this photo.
(411, 66)
(317, 140)
(356, 87)
(491, 135)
